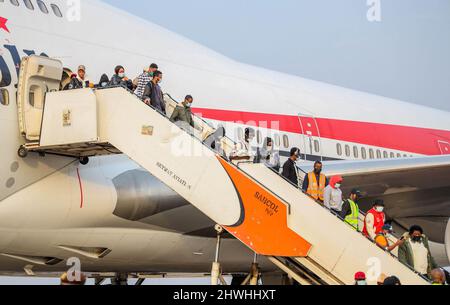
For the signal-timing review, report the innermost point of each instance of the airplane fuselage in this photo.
(49, 203)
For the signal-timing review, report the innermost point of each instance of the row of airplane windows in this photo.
(41, 4)
(278, 140)
(367, 153)
(355, 152)
(283, 141)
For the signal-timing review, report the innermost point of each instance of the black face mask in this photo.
(417, 239)
(317, 171)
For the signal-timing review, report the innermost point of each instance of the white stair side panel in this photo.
(336, 247)
(69, 117)
(190, 168)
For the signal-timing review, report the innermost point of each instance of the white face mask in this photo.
(379, 209)
(121, 75)
(337, 185)
(362, 283)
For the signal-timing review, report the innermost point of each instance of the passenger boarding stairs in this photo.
(253, 203)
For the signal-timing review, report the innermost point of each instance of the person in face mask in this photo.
(119, 78)
(382, 239)
(415, 252)
(243, 150)
(332, 195)
(315, 182)
(360, 279)
(182, 114)
(144, 78)
(153, 94)
(104, 81)
(350, 209)
(375, 220)
(270, 156)
(290, 169)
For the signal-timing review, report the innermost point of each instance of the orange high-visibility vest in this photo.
(315, 189)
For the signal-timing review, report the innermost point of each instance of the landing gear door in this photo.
(311, 137)
(38, 75)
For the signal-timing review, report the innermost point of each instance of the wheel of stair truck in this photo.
(22, 152)
(84, 160)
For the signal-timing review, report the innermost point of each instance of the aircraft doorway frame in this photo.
(444, 147)
(310, 133)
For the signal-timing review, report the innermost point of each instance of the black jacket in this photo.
(75, 83)
(118, 81)
(289, 171)
(154, 93)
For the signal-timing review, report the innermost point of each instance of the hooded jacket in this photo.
(332, 195)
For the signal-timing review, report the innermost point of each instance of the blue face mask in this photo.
(361, 283)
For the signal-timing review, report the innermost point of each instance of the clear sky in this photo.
(405, 56)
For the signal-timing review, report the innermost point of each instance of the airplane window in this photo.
(14, 2)
(385, 155)
(405, 156)
(339, 149)
(42, 6)
(371, 154)
(399, 155)
(378, 154)
(347, 150)
(29, 5)
(259, 137)
(363, 153)
(277, 140)
(355, 152)
(56, 10)
(316, 146)
(240, 134)
(4, 97)
(286, 141)
(392, 155)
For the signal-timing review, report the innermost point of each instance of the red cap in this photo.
(360, 276)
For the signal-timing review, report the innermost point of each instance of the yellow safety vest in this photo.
(315, 189)
(353, 218)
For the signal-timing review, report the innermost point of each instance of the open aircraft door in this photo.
(38, 75)
(311, 137)
(444, 146)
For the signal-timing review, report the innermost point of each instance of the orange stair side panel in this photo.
(263, 226)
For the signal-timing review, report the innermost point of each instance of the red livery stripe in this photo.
(403, 138)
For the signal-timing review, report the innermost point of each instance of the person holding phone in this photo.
(382, 239)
